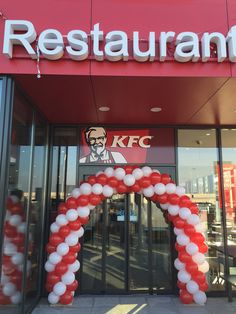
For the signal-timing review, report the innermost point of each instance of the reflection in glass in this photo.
(229, 176)
(198, 170)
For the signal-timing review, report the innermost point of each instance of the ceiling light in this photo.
(207, 134)
(104, 108)
(155, 109)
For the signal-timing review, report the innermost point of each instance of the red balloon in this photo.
(184, 201)
(173, 199)
(179, 248)
(4, 300)
(82, 200)
(121, 188)
(194, 209)
(92, 180)
(128, 169)
(203, 248)
(191, 268)
(144, 182)
(181, 285)
(102, 179)
(198, 238)
(66, 298)
(55, 239)
(64, 231)
(165, 178)
(84, 220)
(155, 178)
(184, 257)
(50, 248)
(73, 286)
(52, 278)
(186, 297)
(49, 287)
(75, 248)
(19, 239)
(135, 188)
(75, 225)
(69, 258)
(10, 231)
(162, 199)
(189, 229)
(62, 209)
(61, 268)
(179, 222)
(199, 277)
(94, 199)
(203, 286)
(71, 202)
(113, 182)
(170, 217)
(16, 209)
(16, 278)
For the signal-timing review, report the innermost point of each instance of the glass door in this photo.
(127, 246)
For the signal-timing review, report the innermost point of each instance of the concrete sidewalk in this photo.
(143, 304)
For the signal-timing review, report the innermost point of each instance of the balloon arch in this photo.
(177, 208)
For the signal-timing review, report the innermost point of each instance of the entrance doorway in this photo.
(127, 245)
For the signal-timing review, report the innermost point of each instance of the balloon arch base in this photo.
(177, 209)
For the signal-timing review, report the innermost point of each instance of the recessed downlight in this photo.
(156, 109)
(208, 134)
(104, 108)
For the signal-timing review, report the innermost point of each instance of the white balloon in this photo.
(68, 278)
(63, 249)
(137, 173)
(75, 266)
(91, 207)
(184, 212)
(109, 172)
(165, 206)
(79, 233)
(9, 289)
(193, 219)
(49, 266)
(200, 227)
(146, 171)
(178, 231)
(119, 173)
(4, 279)
(7, 215)
(184, 276)
(97, 188)
(54, 258)
(15, 220)
(129, 180)
(10, 249)
(148, 192)
(72, 239)
(173, 210)
(182, 239)
(53, 298)
(54, 227)
(83, 211)
(204, 267)
(72, 215)
(14, 199)
(180, 190)
(76, 193)
(59, 288)
(199, 258)
(61, 220)
(170, 188)
(22, 227)
(17, 258)
(98, 173)
(191, 248)
(178, 264)
(107, 191)
(16, 298)
(192, 287)
(85, 188)
(200, 297)
(159, 188)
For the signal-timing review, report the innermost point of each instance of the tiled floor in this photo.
(136, 305)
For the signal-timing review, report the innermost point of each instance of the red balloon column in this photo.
(13, 253)
(177, 208)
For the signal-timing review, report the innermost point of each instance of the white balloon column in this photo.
(63, 246)
(13, 253)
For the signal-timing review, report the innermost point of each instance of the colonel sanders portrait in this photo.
(96, 138)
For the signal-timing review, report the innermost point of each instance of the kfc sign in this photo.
(110, 145)
(113, 46)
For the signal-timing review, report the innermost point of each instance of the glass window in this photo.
(198, 170)
(229, 175)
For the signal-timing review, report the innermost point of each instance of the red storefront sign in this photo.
(116, 145)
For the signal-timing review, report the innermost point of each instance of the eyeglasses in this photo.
(93, 140)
